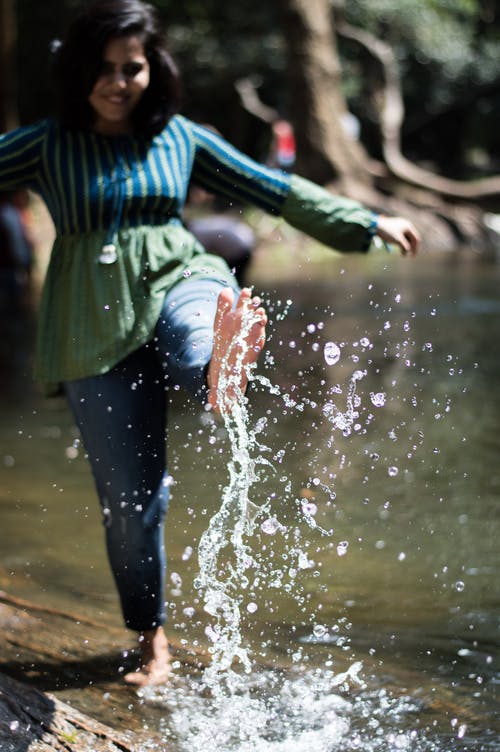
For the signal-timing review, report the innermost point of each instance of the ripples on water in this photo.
(249, 708)
(343, 467)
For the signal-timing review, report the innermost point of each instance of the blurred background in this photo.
(396, 104)
(446, 55)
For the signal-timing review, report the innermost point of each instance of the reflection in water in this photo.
(380, 634)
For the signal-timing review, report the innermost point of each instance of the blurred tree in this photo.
(446, 52)
(391, 117)
(311, 62)
(8, 100)
(39, 24)
(325, 149)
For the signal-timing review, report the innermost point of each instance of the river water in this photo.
(370, 607)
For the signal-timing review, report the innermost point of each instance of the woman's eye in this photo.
(132, 69)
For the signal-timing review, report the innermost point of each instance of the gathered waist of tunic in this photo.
(95, 312)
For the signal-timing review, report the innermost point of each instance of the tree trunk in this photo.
(8, 107)
(325, 150)
(391, 119)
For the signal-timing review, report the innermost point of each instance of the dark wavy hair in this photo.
(78, 61)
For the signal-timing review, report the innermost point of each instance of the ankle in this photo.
(152, 640)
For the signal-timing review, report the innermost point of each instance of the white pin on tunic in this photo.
(108, 254)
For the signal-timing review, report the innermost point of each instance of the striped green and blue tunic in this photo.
(126, 196)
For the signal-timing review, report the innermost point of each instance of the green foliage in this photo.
(217, 43)
(443, 32)
(447, 52)
(448, 57)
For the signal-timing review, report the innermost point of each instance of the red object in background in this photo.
(284, 147)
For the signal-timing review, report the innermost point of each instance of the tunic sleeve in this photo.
(220, 168)
(337, 222)
(20, 156)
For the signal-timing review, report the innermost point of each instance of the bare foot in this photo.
(155, 666)
(227, 375)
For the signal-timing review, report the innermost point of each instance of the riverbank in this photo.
(61, 685)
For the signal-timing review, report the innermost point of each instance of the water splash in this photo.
(234, 706)
(226, 564)
(305, 711)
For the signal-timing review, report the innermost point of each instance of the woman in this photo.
(132, 304)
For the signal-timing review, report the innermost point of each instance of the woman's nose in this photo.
(117, 78)
(120, 79)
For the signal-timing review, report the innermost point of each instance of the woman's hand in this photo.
(400, 231)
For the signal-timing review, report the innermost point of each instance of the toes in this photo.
(244, 298)
(224, 304)
(225, 298)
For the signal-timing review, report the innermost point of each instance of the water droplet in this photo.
(304, 561)
(14, 726)
(364, 342)
(186, 273)
(459, 586)
(358, 375)
(212, 634)
(331, 353)
(187, 553)
(176, 579)
(270, 526)
(311, 328)
(393, 471)
(319, 630)
(378, 398)
(401, 556)
(252, 607)
(309, 508)
(342, 548)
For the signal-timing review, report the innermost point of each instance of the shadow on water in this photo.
(406, 586)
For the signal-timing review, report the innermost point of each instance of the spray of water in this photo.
(239, 705)
(225, 560)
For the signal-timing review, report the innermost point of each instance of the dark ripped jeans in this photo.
(122, 417)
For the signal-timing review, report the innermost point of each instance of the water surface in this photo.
(379, 633)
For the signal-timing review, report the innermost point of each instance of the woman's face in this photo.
(122, 80)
